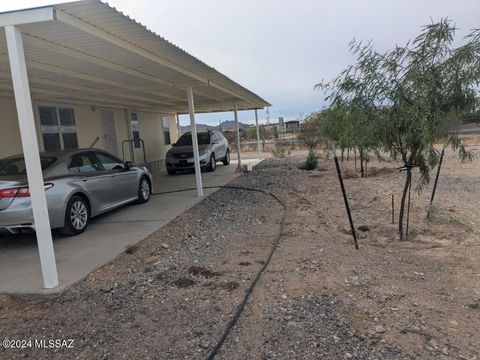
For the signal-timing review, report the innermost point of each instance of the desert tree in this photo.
(412, 96)
(311, 130)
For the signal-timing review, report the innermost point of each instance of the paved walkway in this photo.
(107, 236)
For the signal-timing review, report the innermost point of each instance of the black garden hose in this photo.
(231, 324)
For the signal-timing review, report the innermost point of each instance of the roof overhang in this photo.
(87, 52)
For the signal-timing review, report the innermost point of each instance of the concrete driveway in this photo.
(107, 237)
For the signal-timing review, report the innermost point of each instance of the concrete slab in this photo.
(106, 238)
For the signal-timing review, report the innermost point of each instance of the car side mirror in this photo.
(128, 165)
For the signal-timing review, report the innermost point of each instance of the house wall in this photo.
(89, 128)
(151, 131)
(10, 143)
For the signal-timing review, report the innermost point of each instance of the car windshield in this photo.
(16, 166)
(186, 139)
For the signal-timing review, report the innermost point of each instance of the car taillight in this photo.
(20, 191)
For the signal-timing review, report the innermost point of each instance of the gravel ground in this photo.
(171, 296)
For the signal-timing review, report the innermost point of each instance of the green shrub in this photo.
(312, 162)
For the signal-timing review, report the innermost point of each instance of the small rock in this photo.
(348, 355)
(379, 329)
(453, 322)
(284, 296)
(364, 228)
(445, 351)
(165, 246)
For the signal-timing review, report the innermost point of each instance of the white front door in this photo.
(108, 131)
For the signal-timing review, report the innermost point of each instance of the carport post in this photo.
(239, 157)
(193, 131)
(179, 128)
(28, 135)
(258, 131)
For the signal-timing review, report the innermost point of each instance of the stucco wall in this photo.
(10, 143)
(151, 131)
(88, 126)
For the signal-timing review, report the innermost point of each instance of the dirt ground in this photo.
(171, 296)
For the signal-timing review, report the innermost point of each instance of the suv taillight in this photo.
(19, 191)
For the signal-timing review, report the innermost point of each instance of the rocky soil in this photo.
(171, 296)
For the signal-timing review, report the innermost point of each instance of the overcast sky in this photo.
(281, 48)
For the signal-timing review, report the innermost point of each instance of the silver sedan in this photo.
(79, 185)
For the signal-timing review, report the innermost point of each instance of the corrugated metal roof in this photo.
(94, 51)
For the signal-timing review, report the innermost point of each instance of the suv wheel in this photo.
(226, 161)
(213, 163)
(77, 216)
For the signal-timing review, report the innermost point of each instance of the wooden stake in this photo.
(393, 209)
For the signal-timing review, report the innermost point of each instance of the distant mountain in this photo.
(226, 125)
(200, 127)
(230, 125)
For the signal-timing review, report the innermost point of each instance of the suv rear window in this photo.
(186, 139)
(16, 166)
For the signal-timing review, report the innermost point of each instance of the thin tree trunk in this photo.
(361, 162)
(348, 154)
(342, 153)
(366, 167)
(355, 154)
(408, 180)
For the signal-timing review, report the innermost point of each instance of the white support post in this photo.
(258, 131)
(31, 153)
(179, 128)
(239, 157)
(193, 131)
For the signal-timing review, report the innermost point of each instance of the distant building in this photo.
(282, 126)
(292, 126)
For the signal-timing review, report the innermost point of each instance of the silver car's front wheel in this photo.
(144, 191)
(77, 216)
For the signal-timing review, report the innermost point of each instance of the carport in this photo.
(88, 53)
(107, 237)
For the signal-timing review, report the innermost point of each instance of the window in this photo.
(110, 162)
(135, 131)
(186, 139)
(58, 128)
(166, 130)
(217, 137)
(16, 166)
(83, 163)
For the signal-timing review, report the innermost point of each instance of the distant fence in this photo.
(288, 139)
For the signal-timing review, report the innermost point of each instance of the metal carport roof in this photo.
(93, 54)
